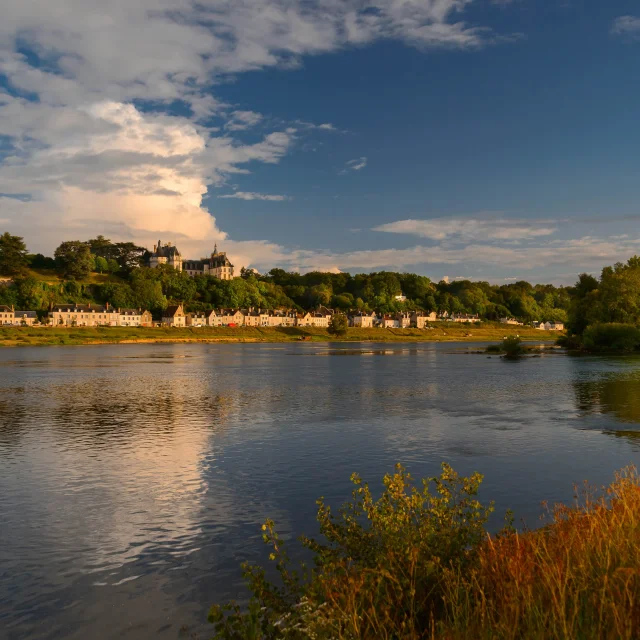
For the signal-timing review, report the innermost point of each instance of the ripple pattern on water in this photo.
(133, 479)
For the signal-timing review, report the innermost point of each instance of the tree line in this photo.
(132, 284)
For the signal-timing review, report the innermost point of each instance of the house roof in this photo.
(5, 309)
(26, 314)
(172, 310)
(84, 308)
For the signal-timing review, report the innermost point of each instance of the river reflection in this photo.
(134, 479)
(617, 394)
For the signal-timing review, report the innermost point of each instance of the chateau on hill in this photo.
(217, 265)
(166, 254)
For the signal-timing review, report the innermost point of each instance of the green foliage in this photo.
(13, 255)
(612, 336)
(113, 266)
(381, 564)
(338, 325)
(74, 259)
(101, 264)
(512, 347)
(127, 255)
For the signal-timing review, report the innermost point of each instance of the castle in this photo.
(217, 265)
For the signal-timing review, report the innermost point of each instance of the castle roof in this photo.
(165, 251)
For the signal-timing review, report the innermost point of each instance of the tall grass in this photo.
(418, 563)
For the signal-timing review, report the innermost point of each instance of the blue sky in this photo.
(459, 138)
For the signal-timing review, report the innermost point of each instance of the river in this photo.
(134, 478)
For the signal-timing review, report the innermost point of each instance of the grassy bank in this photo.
(24, 336)
(418, 563)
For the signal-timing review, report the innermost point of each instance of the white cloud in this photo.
(580, 253)
(626, 26)
(466, 229)
(248, 195)
(242, 120)
(355, 165)
(96, 142)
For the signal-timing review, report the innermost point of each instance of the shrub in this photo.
(612, 336)
(382, 565)
(511, 347)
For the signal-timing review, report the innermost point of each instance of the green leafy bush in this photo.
(385, 559)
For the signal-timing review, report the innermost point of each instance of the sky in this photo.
(484, 139)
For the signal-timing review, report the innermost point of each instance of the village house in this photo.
(362, 319)
(25, 318)
(404, 319)
(84, 315)
(549, 326)
(511, 321)
(464, 317)
(281, 318)
(232, 317)
(390, 321)
(197, 319)
(303, 319)
(320, 319)
(255, 317)
(420, 319)
(7, 315)
(174, 316)
(134, 318)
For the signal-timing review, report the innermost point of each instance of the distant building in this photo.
(84, 315)
(135, 318)
(217, 265)
(420, 319)
(390, 321)
(464, 317)
(174, 316)
(550, 326)
(362, 320)
(197, 319)
(511, 321)
(165, 254)
(25, 318)
(7, 315)
(95, 315)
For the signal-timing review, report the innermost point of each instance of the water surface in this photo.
(134, 478)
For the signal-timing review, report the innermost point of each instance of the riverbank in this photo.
(42, 336)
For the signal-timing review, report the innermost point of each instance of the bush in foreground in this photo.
(418, 563)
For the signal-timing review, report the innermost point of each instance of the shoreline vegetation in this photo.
(419, 563)
(42, 336)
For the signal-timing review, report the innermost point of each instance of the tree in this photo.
(101, 264)
(338, 325)
(13, 254)
(74, 259)
(129, 256)
(101, 246)
(113, 265)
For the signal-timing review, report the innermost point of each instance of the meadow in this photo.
(487, 332)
